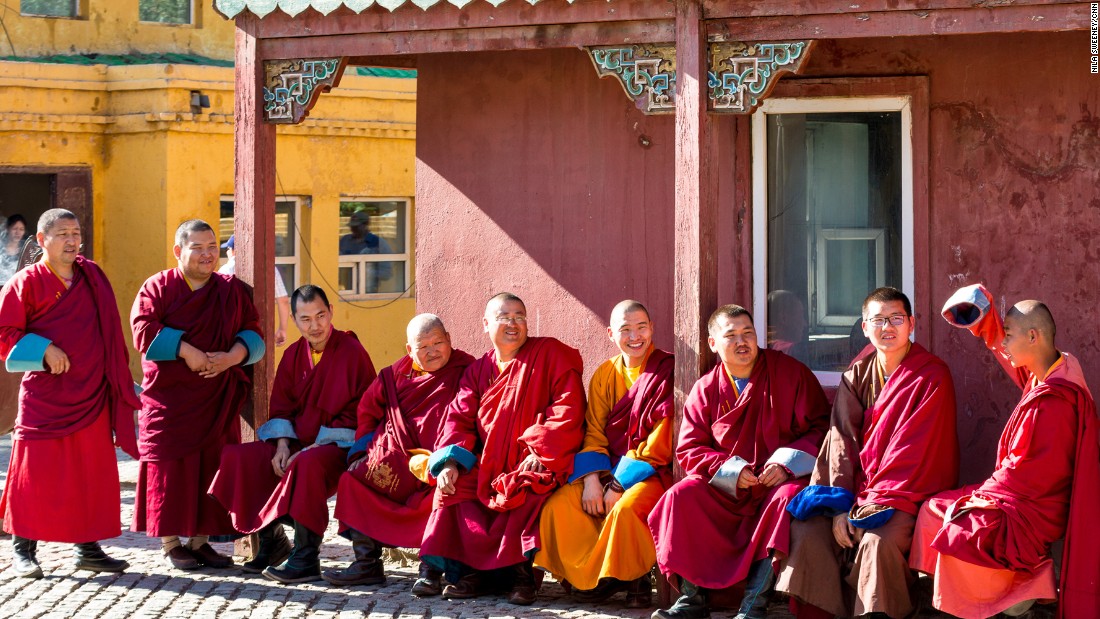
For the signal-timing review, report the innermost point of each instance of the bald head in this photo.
(622, 308)
(501, 299)
(422, 325)
(1032, 314)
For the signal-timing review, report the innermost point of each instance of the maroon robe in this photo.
(422, 398)
(62, 437)
(536, 406)
(781, 406)
(308, 397)
(646, 404)
(186, 419)
(1045, 484)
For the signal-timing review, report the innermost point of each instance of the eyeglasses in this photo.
(880, 321)
(503, 320)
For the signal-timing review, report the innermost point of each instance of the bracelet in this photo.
(615, 486)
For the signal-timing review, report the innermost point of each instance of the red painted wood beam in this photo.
(696, 205)
(446, 16)
(254, 213)
(716, 9)
(471, 40)
(1048, 18)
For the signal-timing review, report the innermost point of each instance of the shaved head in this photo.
(500, 299)
(421, 325)
(1032, 314)
(622, 308)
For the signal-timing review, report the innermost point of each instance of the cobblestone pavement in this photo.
(150, 588)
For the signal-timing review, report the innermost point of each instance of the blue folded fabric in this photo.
(589, 462)
(820, 501)
(873, 521)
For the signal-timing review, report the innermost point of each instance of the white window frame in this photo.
(296, 259)
(816, 105)
(356, 261)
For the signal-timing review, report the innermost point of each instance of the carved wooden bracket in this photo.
(291, 87)
(740, 75)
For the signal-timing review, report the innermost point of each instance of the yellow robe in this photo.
(583, 549)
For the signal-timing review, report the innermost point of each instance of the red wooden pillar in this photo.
(254, 220)
(696, 209)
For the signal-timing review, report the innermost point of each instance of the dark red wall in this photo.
(531, 177)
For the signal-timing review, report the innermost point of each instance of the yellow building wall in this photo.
(155, 164)
(112, 27)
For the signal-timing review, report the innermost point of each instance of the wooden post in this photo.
(254, 219)
(696, 219)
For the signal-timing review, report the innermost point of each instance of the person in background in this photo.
(15, 232)
(282, 299)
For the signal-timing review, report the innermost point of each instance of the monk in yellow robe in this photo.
(594, 530)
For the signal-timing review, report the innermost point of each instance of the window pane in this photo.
(48, 8)
(165, 11)
(286, 272)
(285, 233)
(225, 223)
(834, 228)
(372, 227)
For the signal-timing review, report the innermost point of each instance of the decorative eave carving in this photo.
(647, 73)
(740, 75)
(291, 87)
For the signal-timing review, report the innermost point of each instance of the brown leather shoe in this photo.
(467, 587)
(209, 557)
(522, 595)
(428, 582)
(182, 559)
(639, 593)
(603, 591)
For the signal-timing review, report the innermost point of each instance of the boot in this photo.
(758, 591)
(91, 557)
(304, 562)
(23, 561)
(692, 604)
(523, 591)
(639, 592)
(274, 549)
(429, 583)
(367, 567)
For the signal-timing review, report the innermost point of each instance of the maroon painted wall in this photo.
(531, 178)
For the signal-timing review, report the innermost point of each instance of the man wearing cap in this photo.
(195, 329)
(363, 241)
(282, 300)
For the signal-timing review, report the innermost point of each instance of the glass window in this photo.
(833, 228)
(373, 247)
(286, 238)
(50, 8)
(165, 11)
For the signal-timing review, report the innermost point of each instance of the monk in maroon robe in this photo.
(60, 324)
(290, 473)
(508, 440)
(195, 328)
(750, 434)
(989, 545)
(381, 501)
(892, 444)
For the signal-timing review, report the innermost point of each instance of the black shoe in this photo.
(366, 569)
(758, 591)
(467, 587)
(23, 562)
(429, 583)
(274, 549)
(524, 590)
(304, 562)
(91, 557)
(639, 592)
(606, 588)
(692, 604)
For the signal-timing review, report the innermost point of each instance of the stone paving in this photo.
(152, 589)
